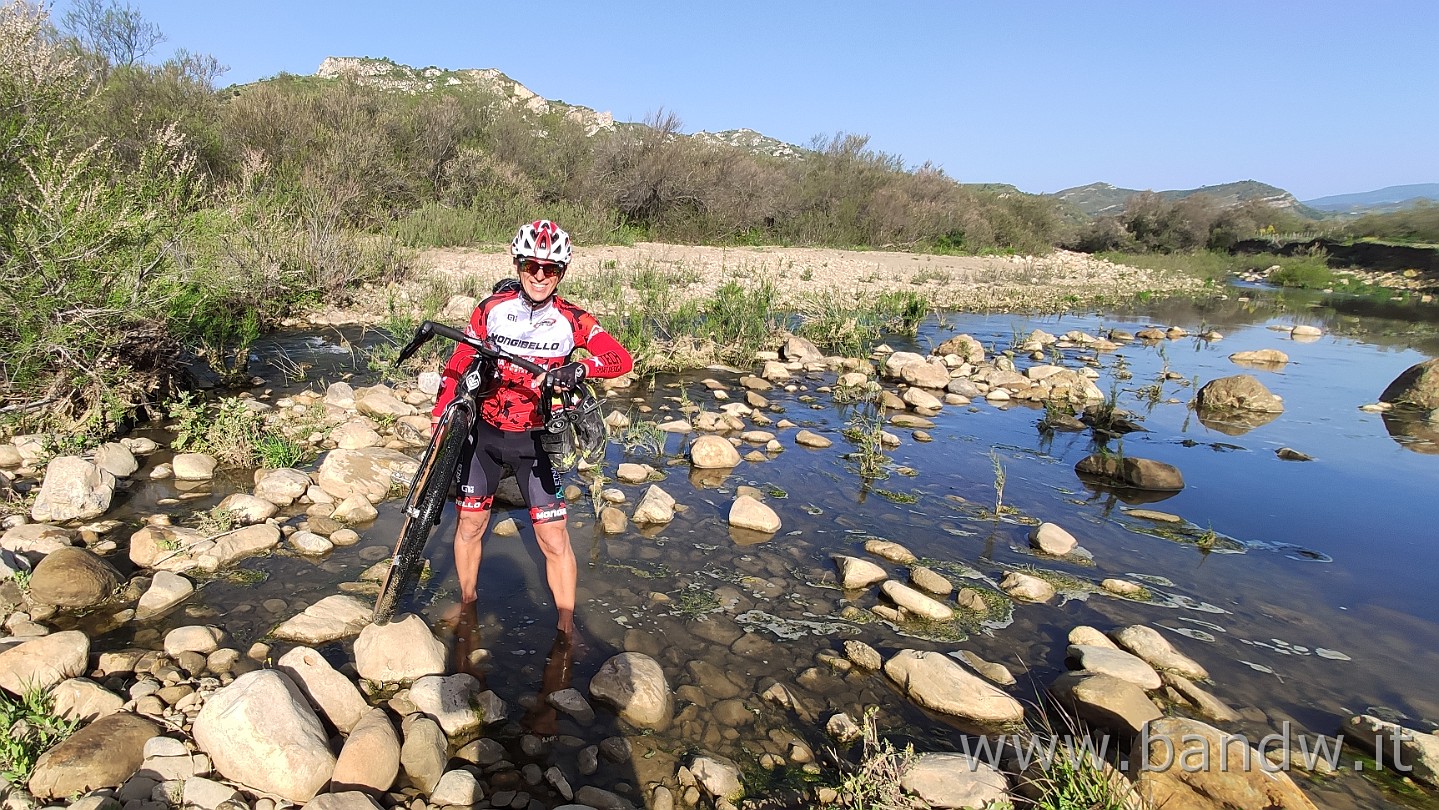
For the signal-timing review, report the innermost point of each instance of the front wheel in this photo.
(428, 494)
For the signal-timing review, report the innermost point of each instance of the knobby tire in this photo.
(428, 495)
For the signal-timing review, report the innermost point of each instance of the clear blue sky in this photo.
(1317, 97)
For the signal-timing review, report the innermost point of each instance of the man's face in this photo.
(539, 278)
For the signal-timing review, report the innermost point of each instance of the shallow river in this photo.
(1316, 602)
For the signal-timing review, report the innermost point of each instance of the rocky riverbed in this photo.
(711, 666)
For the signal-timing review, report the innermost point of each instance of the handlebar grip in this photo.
(430, 327)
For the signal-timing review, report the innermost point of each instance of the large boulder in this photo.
(35, 540)
(1158, 652)
(370, 472)
(929, 374)
(1104, 701)
(43, 662)
(1240, 392)
(103, 754)
(1416, 751)
(634, 685)
(170, 548)
(260, 732)
(657, 506)
(232, 547)
(281, 486)
(1417, 387)
(73, 489)
(936, 682)
(73, 577)
(1163, 766)
(116, 459)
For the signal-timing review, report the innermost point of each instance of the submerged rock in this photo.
(1417, 387)
(1136, 473)
(634, 685)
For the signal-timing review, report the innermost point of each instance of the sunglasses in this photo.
(546, 269)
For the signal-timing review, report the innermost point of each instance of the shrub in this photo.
(28, 728)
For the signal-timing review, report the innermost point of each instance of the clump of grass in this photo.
(873, 784)
(897, 497)
(695, 601)
(278, 451)
(1000, 475)
(1071, 771)
(28, 728)
(643, 436)
(866, 430)
(231, 432)
(216, 521)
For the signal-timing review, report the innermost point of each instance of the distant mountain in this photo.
(1102, 199)
(1390, 198)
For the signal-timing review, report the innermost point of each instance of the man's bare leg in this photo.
(561, 570)
(468, 535)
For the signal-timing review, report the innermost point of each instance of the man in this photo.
(535, 323)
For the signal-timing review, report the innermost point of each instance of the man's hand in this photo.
(567, 376)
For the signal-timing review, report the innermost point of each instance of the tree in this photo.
(113, 30)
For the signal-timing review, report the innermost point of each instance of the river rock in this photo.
(193, 466)
(200, 638)
(748, 513)
(342, 394)
(916, 602)
(1206, 703)
(1417, 750)
(800, 349)
(248, 509)
(281, 486)
(1241, 392)
(345, 800)
(1118, 663)
(35, 540)
(1052, 539)
(1026, 587)
(101, 755)
(967, 348)
(930, 581)
(369, 472)
(954, 781)
(73, 489)
(327, 690)
(1264, 358)
(1104, 701)
(634, 685)
(655, 507)
(260, 732)
(936, 682)
(713, 452)
(858, 573)
(894, 552)
(922, 400)
(894, 364)
(356, 435)
(1156, 760)
(116, 459)
(354, 510)
(83, 700)
(457, 789)
(631, 473)
(424, 751)
(1155, 649)
(311, 544)
(808, 438)
(863, 655)
(928, 374)
(1417, 387)
(1133, 472)
(166, 590)
(232, 547)
(380, 401)
(370, 758)
(458, 703)
(330, 619)
(44, 661)
(73, 577)
(718, 776)
(400, 651)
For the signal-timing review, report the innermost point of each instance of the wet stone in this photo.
(863, 655)
(929, 580)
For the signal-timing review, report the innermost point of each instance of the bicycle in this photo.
(440, 464)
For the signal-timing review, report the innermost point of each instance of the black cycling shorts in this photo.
(494, 449)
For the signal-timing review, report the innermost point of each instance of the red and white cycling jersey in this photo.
(547, 336)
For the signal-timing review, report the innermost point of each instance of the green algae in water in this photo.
(791, 629)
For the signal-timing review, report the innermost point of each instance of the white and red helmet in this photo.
(543, 241)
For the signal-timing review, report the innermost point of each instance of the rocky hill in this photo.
(1390, 198)
(1101, 199)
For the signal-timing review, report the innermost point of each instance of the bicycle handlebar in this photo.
(429, 329)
